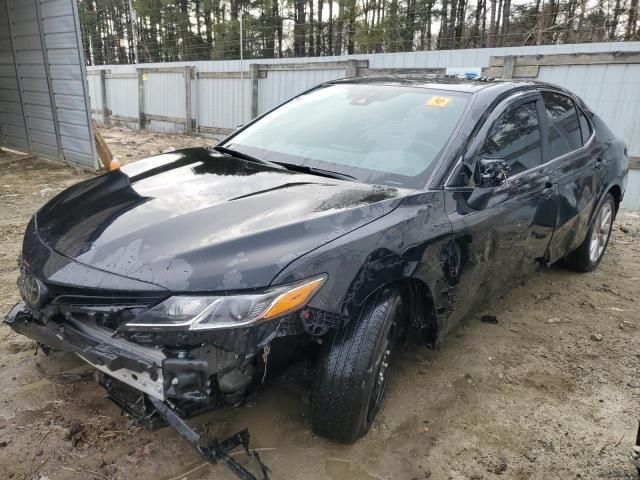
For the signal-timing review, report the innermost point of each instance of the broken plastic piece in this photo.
(214, 450)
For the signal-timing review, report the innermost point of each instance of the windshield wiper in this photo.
(235, 153)
(289, 166)
(316, 171)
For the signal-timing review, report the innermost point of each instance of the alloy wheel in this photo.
(600, 233)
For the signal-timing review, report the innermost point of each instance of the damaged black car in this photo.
(355, 217)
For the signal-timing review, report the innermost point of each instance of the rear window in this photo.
(376, 133)
(564, 127)
(585, 127)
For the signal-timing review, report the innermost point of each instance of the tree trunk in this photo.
(339, 27)
(475, 33)
(506, 12)
(484, 24)
(319, 29)
(208, 26)
(497, 38)
(442, 36)
(310, 31)
(429, 18)
(462, 14)
(542, 24)
(196, 9)
(410, 26)
(298, 29)
(632, 21)
(352, 27)
(218, 31)
(392, 34)
(451, 30)
(491, 41)
(330, 34)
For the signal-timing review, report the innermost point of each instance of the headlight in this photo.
(213, 312)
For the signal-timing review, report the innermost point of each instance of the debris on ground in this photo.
(492, 319)
(212, 449)
(130, 145)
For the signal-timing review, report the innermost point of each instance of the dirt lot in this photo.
(550, 391)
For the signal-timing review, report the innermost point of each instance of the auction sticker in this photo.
(438, 101)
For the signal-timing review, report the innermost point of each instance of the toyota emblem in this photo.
(31, 289)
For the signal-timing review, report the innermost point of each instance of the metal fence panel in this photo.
(13, 131)
(224, 103)
(282, 85)
(68, 82)
(32, 72)
(43, 81)
(158, 84)
(632, 197)
(122, 99)
(95, 94)
(612, 91)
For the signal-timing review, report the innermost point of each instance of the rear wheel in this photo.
(353, 371)
(588, 255)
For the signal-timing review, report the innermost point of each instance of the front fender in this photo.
(407, 243)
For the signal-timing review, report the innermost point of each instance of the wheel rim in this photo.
(382, 370)
(600, 232)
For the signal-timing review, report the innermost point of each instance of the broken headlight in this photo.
(192, 312)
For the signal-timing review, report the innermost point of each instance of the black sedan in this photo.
(358, 215)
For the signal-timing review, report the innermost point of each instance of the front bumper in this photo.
(147, 369)
(139, 367)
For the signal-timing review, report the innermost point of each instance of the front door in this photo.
(499, 243)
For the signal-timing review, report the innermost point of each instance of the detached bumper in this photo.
(139, 367)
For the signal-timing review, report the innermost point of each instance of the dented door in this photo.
(498, 244)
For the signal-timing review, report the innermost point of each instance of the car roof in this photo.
(441, 82)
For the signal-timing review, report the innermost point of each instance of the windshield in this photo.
(379, 134)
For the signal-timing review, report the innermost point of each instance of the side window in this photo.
(515, 138)
(564, 127)
(585, 126)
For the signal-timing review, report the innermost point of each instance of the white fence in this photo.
(217, 96)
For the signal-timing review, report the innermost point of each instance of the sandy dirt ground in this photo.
(550, 391)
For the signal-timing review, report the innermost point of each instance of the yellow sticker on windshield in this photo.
(438, 101)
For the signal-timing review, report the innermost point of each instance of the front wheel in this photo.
(353, 371)
(588, 255)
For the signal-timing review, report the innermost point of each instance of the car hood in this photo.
(196, 220)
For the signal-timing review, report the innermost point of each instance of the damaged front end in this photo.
(190, 375)
(164, 357)
(197, 349)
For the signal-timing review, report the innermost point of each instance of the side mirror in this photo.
(490, 173)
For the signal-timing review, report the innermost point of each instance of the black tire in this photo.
(581, 259)
(348, 391)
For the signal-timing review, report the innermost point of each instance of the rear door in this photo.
(500, 243)
(576, 170)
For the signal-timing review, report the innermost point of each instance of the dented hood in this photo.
(196, 220)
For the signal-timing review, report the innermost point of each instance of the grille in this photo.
(109, 309)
